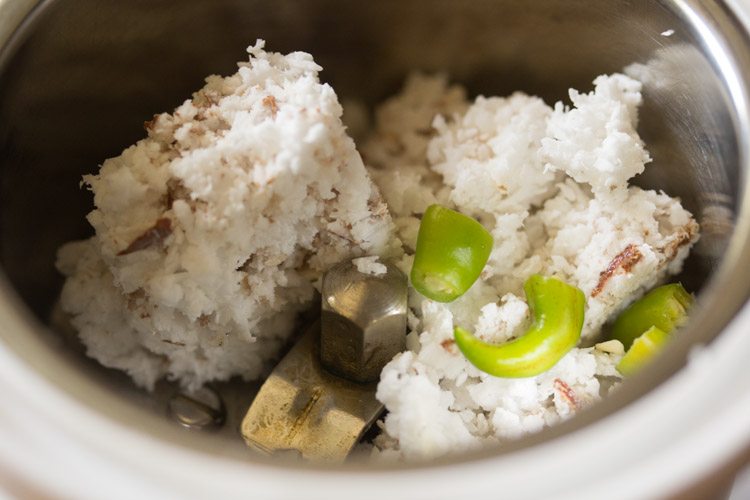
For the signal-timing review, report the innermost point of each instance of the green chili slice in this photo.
(451, 252)
(664, 307)
(644, 348)
(557, 310)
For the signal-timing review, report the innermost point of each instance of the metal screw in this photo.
(201, 409)
(363, 321)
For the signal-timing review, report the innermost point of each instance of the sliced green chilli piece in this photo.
(643, 350)
(451, 252)
(664, 307)
(557, 309)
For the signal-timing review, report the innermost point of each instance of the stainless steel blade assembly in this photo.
(320, 399)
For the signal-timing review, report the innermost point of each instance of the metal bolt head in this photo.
(201, 409)
(363, 320)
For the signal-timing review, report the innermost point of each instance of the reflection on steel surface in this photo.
(363, 321)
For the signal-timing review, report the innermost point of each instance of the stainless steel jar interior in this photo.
(79, 78)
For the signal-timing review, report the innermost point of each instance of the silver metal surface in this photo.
(81, 76)
(12, 14)
(200, 410)
(363, 320)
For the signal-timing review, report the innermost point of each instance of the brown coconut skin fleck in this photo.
(448, 345)
(684, 236)
(624, 261)
(567, 394)
(270, 102)
(155, 235)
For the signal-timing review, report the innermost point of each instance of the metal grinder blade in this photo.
(320, 399)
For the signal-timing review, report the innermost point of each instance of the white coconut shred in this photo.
(551, 184)
(211, 232)
(215, 229)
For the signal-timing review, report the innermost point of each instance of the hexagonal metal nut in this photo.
(363, 320)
